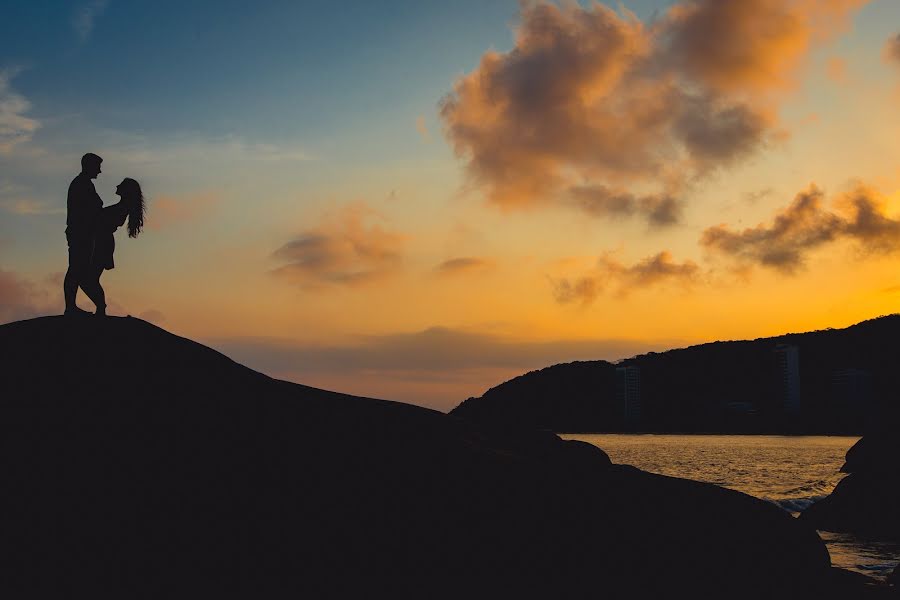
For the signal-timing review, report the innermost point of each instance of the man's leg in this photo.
(91, 286)
(70, 289)
(79, 263)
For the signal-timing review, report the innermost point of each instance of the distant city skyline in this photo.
(420, 200)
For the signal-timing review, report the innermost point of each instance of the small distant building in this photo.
(628, 393)
(852, 393)
(740, 408)
(787, 359)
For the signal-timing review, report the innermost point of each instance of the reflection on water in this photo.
(792, 472)
(876, 559)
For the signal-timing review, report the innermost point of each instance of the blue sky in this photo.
(251, 125)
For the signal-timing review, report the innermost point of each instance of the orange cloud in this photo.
(29, 207)
(438, 366)
(592, 97)
(623, 279)
(806, 225)
(21, 298)
(422, 128)
(837, 69)
(659, 210)
(749, 46)
(166, 211)
(462, 265)
(346, 250)
(892, 50)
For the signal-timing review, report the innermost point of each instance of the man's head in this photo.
(90, 165)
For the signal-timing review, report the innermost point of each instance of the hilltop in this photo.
(140, 464)
(846, 379)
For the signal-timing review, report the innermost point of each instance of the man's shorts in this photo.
(81, 249)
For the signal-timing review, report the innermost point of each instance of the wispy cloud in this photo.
(22, 298)
(437, 367)
(806, 225)
(593, 97)
(620, 279)
(659, 210)
(15, 127)
(422, 128)
(165, 211)
(153, 315)
(836, 69)
(346, 250)
(892, 50)
(462, 265)
(142, 151)
(86, 16)
(29, 207)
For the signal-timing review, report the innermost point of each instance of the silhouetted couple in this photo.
(90, 229)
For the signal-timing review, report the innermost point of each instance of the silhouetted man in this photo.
(82, 211)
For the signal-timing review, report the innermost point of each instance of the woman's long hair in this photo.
(134, 198)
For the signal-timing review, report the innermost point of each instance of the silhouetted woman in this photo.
(130, 207)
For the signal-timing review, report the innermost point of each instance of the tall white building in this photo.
(788, 364)
(628, 393)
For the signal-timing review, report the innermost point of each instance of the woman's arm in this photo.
(113, 216)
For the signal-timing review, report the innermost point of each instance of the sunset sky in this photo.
(420, 200)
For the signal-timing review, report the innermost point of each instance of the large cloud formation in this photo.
(806, 225)
(345, 251)
(612, 274)
(591, 97)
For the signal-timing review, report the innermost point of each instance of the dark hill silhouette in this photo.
(137, 464)
(847, 378)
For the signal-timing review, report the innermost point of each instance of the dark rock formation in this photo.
(867, 501)
(847, 377)
(137, 464)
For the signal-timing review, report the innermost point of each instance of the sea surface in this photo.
(793, 472)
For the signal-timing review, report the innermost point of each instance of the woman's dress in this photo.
(111, 218)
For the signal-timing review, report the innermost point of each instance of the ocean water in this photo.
(792, 472)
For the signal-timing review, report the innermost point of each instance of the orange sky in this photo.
(594, 185)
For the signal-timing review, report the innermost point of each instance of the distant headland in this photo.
(833, 381)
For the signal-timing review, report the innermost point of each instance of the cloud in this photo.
(658, 210)
(85, 17)
(14, 198)
(166, 211)
(582, 290)
(21, 298)
(462, 265)
(152, 315)
(754, 197)
(345, 251)
(437, 367)
(590, 97)
(611, 274)
(141, 151)
(15, 127)
(837, 69)
(29, 207)
(892, 49)
(422, 128)
(806, 225)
